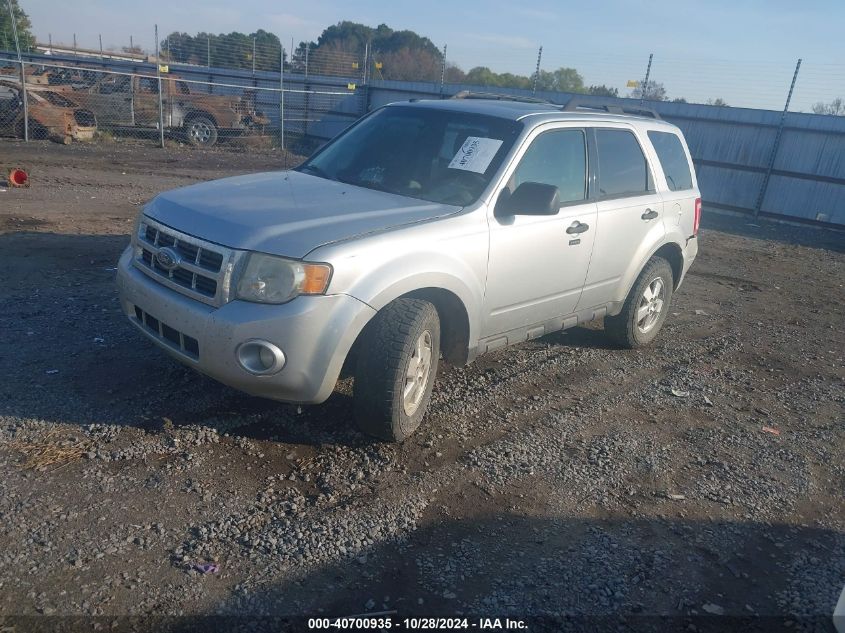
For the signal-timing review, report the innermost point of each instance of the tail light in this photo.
(697, 220)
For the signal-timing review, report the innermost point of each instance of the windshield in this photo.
(435, 155)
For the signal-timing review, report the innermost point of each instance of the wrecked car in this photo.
(121, 101)
(51, 115)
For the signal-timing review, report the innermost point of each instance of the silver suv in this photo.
(427, 230)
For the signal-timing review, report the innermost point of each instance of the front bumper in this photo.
(314, 332)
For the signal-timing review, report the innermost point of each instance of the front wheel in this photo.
(201, 132)
(396, 367)
(645, 307)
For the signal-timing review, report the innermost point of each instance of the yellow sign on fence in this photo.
(163, 68)
(350, 86)
(632, 84)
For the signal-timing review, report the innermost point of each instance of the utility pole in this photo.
(537, 71)
(253, 57)
(131, 44)
(645, 83)
(50, 40)
(776, 144)
(208, 48)
(101, 46)
(74, 45)
(23, 73)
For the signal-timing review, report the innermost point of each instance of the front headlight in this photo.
(269, 279)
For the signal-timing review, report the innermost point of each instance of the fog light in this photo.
(261, 358)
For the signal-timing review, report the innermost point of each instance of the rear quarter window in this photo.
(673, 159)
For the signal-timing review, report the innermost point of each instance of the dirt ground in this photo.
(694, 485)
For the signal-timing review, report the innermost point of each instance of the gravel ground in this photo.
(558, 478)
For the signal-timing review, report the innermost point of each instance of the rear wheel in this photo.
(201, 132)
(396, 367)
(645, 307)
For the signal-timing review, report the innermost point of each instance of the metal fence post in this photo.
(160, 98)
(282, 96)
(537, 71)
(253, 57)
(776, 145)
(306, 95)
(645, 83)
(23, 73)
(443, 70)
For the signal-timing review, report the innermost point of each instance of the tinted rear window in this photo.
(622, 166)
(673, 159)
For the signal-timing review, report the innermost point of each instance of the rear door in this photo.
(536, 268)
(146, 101)
(110, 100)
(630, 213)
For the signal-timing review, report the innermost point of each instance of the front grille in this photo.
(202, 270)
(171, 337)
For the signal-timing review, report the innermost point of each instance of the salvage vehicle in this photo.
(428, 228)
(121, 101)
(51, 115)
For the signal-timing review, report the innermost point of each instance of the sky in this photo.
(742, 51)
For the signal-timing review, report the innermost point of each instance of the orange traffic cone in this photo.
(18, 177)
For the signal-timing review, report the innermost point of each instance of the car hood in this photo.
(285, 213)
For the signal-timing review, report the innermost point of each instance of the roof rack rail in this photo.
(575, 104)
(495, 96)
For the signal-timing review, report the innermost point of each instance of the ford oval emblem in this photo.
(168, 259)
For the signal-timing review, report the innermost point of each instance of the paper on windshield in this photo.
(475, 154)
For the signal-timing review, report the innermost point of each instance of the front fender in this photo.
(416, 272)
(448, 254)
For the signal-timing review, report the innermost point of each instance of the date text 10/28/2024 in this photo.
(375, 623)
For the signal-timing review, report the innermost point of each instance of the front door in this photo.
(536, 269)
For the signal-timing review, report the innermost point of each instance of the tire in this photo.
(645, 307)
(201, 131)
(387, 403)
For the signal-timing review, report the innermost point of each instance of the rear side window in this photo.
(623, 169)
(558, 158)
(673, 159)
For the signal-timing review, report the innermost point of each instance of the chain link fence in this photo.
(77, 95)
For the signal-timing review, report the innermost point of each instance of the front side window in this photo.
(558, 158)
(623, 169)
(673, 159)
(437, 155)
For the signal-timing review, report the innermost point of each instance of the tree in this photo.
(679, 100)
(7, 38)
(602, 91)
(652, 91)
(835, 107)
(401, 55)
(718, 101)
(560, 80)
(233, 50)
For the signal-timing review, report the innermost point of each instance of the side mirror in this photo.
(530, 198)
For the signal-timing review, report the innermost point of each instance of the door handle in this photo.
(577, 227)
(649, 214)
